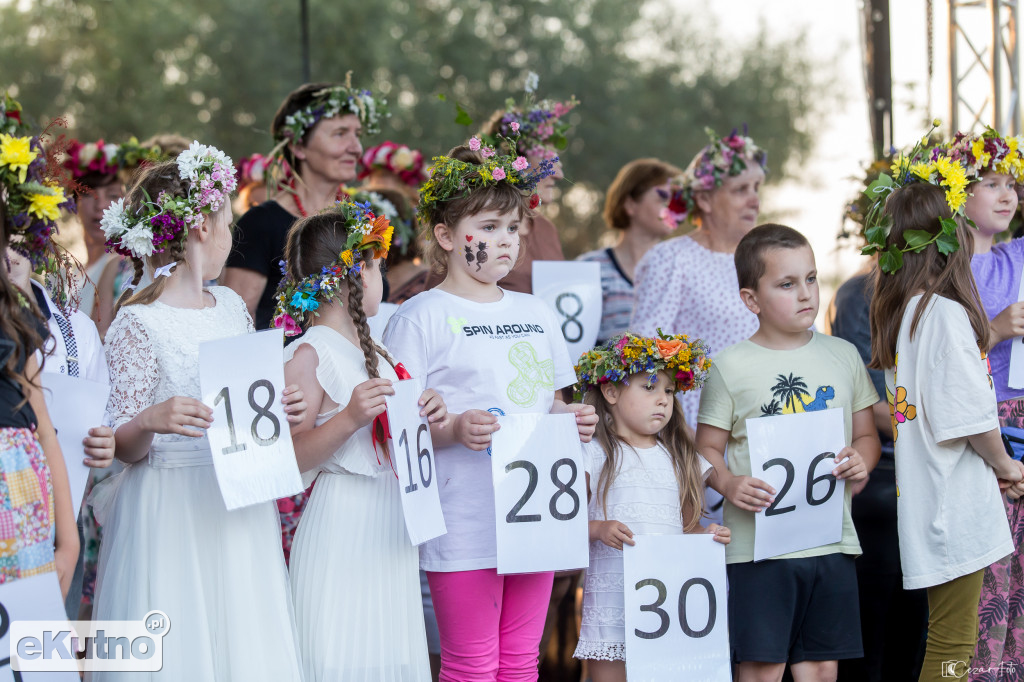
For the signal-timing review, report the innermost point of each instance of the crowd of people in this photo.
(699, 334)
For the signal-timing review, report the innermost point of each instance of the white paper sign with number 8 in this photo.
(412, 453)
(540, 494)
(242, 379)
(795, 454)
(676, 612)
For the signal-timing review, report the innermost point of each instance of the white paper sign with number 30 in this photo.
(540, 494)
(676, 612)
(242, 379)
(412, 454)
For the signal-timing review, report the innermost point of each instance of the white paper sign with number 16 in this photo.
(412, 454)
(540, 494)
(242, 379)
(795, 454)
(676, 612)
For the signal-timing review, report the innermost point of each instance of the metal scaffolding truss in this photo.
(983, 57)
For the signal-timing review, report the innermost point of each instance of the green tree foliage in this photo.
(650, 77)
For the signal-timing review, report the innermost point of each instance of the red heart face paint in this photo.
(469, 237)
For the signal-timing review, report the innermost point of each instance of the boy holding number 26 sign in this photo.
(800, 607)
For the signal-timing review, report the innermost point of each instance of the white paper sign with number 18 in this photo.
(795, 454)
(540, 494)
(1016, 378)
(573, 291)
(242, 379)
(676, 612)
(412, 454)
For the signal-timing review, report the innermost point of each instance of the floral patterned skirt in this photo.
(999, 655)
(290, 510)
(27, 525)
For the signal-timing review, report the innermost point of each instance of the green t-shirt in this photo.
(749, 381)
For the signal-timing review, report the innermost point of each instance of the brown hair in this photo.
(170, 144)
(149, 182)
(298, 99)
(632, 180)
(316, 242)
(501, 197)
(920, 206)
(755, 244)
(15, 321)
(685, 460)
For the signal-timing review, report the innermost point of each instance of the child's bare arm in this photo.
(746, 492)
(990, 446)
(861, 457)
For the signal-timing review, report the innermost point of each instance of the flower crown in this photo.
(952, 167)
(157, 224)
(34, 193)
(686, 361)
(334, 101)
(453, 179)
(107, 158)
(723, 157)
(542, 125)
(367, 231)
(404, 230)
(251, 170)
(404, 162)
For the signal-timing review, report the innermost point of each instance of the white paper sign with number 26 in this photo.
(412, 454)
(540, 494)
(242, 379)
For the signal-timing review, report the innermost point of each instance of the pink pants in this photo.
(490, 624)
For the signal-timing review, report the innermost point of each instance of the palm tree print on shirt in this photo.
(790, 396)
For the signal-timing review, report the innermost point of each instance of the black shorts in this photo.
(793, 610)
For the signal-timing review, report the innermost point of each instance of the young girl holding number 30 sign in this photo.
(169, 542)
(643, 474)
(488, 352)
(357, 600)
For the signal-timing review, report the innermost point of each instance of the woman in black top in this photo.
(317, 130)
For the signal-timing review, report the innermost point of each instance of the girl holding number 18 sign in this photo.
(353, 568)
(644, 475)
(489, 352)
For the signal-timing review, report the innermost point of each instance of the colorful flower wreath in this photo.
(252, 170)
(388, 156)
(367, 232)
(542, 126)
(723, 157)
(334, 101)
(211, 180)
(34, 194)
(686, 361)
(404, 231)
(952, 167)
(453, 179)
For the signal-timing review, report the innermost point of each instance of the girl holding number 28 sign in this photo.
(489, 352)
(644, 475)
(169, 542)
(357, 601)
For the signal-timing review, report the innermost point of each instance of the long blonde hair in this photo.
(685, 460)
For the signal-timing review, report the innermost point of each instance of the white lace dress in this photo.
(645, 497)
(169, 543)
(354, 571)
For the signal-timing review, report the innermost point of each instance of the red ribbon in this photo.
(382, 419)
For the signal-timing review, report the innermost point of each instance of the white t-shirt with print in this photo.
(949, 508)
(508, 357)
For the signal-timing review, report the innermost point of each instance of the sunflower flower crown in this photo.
(687, 362)
(159, 223)
(953, 167)
(542, 125)
(453, 179)
(298, 301)
(724, 157)
(35, 195)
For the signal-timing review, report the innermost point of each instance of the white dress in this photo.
(645, 497)
(354, 571)
(169, 543)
